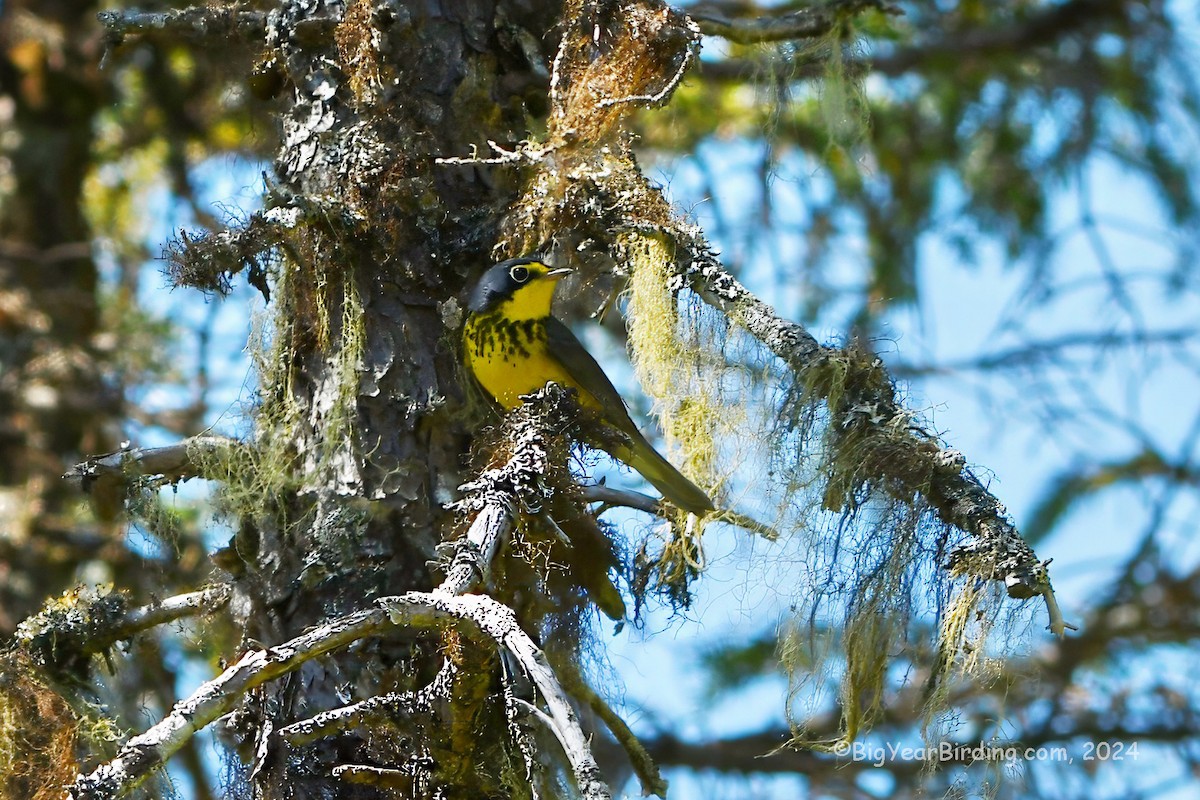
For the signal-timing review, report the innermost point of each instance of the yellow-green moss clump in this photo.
(688, 408)
(38, 733)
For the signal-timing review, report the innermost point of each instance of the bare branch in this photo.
(530, 710)
(374, 776)
(152, 615)
(716, 19)
(1141, 621)
(1043, 26)
(1035, 354)
(643, 765)
(200, 22)
(381, 708)
(471, 563)
(384, 708)
(175, 462)
(46, 256)
(599, 493)
(148, 751)
(747, 754)
(499, 623)
(523, 153)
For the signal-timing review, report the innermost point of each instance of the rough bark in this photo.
(366, 387)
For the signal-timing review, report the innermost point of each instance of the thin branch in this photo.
(498, 622)
(175, 462)
(1045, 26)
(523, 153)
(746, 754)
(1036, 353)
(600, 493)
(661, 96)
(643, 765)
(384, 708)
(365, 775)
(759, 753)
(171, 609)
(1142, 624)
(47, 256)
(1105, 260)
(747, 523)
(380, 708)
(808, 23)
(200, 22)
(530, 710)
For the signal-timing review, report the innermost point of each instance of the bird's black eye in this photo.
(519, 274)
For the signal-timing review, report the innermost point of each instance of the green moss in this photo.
(880, 557)
(318, 317)
(684, 386)
(955, 652)
(688, 409)
(38, 735)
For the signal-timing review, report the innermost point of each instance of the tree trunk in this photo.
(359, 439)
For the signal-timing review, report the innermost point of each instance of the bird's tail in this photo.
(639, 454)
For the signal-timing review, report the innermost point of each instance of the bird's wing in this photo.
(584, 370)
(637, 452)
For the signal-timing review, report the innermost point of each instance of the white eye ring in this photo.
(520, 274)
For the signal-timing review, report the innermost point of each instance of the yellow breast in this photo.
(509, 357)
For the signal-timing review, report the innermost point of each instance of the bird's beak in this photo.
(560, 272)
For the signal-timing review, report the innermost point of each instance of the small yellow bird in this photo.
(513, 347)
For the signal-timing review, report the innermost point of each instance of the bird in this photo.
(513, 346)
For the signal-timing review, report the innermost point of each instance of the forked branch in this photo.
(494, 498)
(480, 618)
(148, 751)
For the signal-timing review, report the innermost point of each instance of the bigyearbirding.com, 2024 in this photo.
(959, 753)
